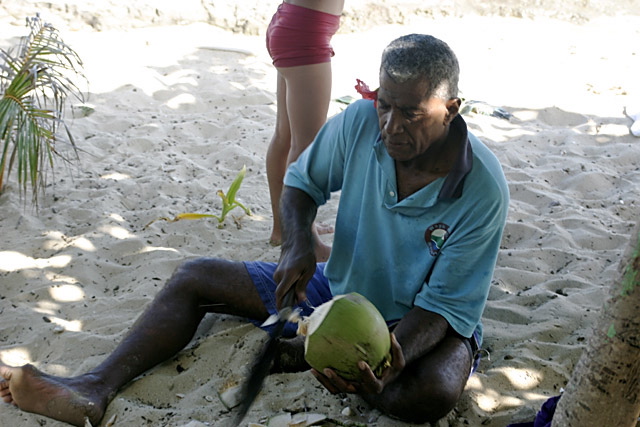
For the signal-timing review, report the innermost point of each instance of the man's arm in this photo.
(297, 257)
(419, 332)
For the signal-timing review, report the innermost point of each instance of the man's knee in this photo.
(192, 271)
(438, 407)
(424, 408)
(429, 391)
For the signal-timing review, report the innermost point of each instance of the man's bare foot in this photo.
(321, 250)
(275, 241)
(320, 228)
(65, 399)
(290, 356)
(323, 228)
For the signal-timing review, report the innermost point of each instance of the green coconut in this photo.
(344, 331)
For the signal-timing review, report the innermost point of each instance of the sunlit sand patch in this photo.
(148, 249)
(181, 77)
(117, 217)
(238, 85)
(66, 325)
(532, 397)
(521, 379)
(117, 232)
(48, 308)
(15, 356)
(84, 244)
(60, 279)
(59, 241)
(492, 401)
(179, 100)
(255, 217)
(67, 293)
(11, 261)
(116, 176)
(475, 382)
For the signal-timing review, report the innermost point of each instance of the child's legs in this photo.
(277, 156)
(307, 102)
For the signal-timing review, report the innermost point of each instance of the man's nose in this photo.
(393, 124)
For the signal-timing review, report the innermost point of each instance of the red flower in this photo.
(363, 89)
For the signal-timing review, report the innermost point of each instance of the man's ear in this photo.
(453, 108)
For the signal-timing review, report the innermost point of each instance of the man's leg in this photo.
(430, 387)
(167, 325)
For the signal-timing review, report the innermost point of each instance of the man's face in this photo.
(410, 122)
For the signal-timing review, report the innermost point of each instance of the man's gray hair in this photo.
(416, 56)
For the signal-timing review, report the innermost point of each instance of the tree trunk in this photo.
(604, 389)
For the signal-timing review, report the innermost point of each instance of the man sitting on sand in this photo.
(422, 208)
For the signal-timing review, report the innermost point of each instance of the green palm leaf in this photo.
(34, 85)
(229, 203)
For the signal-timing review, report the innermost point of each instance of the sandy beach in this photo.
(181, 102)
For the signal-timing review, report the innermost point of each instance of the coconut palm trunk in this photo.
(604, 389)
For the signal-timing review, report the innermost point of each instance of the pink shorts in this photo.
(300, 36)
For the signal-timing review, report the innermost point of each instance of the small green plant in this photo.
(229, 203)
(34, 84)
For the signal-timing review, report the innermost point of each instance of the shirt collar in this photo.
(452, 186)
(454, 181)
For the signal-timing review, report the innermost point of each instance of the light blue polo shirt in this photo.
(436, 249)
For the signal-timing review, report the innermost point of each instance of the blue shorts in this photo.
(318, 292)
(262, 275)
(475, 351)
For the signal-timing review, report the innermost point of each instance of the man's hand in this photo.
(294, 271)
(297, 258)
(369, 383)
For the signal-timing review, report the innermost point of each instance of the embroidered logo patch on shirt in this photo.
(435, 237)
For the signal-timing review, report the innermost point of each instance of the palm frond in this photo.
(35, 83)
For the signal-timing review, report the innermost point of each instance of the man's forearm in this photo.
(419, 332)
(297, 213)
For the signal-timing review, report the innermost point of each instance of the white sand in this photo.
(180, 109)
